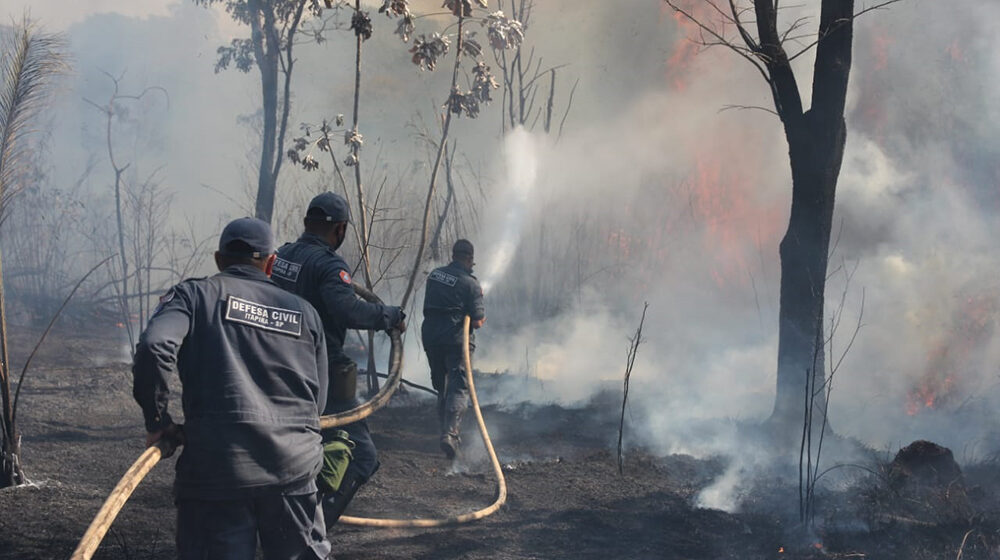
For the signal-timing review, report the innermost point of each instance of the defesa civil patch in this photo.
(287, 321)
(287, 270)
(443, 277)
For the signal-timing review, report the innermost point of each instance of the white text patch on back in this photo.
(275, 319)
(286, 269)
(443, 277)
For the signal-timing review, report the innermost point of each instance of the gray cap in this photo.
(255, 234)
(333, 207)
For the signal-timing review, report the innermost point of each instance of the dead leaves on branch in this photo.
(483, 82)
(426, 52)
(468, 103)
(405, 28)
(459, 102)
(299, 154)
(503, 32)
(462, 8)
(362, 25)
(395, 8)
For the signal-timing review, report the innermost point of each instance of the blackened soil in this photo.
(81, 431)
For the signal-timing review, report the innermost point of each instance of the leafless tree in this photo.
(147, 207)
(522, 78)
(816, 136)
(115, 110)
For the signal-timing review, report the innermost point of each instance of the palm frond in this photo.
(29, 61)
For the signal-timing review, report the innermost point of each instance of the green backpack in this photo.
(336, 456)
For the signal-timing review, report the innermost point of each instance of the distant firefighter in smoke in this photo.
(452, 293)
(311, 268)
(252, 363)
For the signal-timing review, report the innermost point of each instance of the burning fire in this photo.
(958, 350)
(927, 395)
(686, 47)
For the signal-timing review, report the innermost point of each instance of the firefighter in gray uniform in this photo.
(252, 363)
(452, 293)
(311, 268)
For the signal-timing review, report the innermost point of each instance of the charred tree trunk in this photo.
(816, 140)
(816, 154)
(445, 128)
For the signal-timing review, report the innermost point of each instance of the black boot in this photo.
(450, 442)
(335, 503)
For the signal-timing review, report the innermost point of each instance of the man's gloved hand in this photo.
(401, 323)
(173, 434)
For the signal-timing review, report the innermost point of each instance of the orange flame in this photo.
(685, 46)
(958, 350)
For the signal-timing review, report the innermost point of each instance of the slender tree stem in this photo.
(434, 170)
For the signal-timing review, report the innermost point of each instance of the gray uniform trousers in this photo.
(449, 379)
(290, 526)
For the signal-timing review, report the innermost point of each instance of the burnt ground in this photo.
(81, 431)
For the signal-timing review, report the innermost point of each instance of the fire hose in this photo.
(495, 462)
(151, 456)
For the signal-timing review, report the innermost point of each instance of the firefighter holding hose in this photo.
(311, 268)
(452, 293)
(253, 368)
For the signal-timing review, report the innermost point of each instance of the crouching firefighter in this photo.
(311, 268)
(452, 293)
(252, 364)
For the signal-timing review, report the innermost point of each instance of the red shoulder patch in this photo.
(345, 276)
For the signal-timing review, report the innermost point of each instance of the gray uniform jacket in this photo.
(252, 361)
(452, 293)
(311, 268)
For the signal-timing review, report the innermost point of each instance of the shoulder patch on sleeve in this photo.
(345, 276)
(164, 299)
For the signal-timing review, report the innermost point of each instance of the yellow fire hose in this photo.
(497, 470)
(133, 476)
(151, 456)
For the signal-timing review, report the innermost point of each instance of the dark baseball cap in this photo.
(331, 206)
(247, 237)
(463, 247)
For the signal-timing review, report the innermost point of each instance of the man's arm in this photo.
(156, 358)
(341, 301)
(474, 304)
(322, 366)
